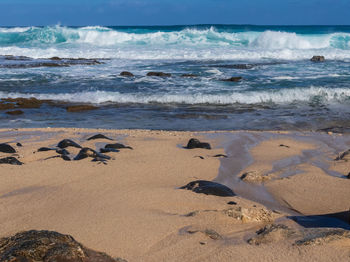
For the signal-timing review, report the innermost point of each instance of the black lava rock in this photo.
(117, 146)
(11, 161)
(66, 143)
(19, 145)
(99, 136)
(209, 188)
(195, 143)
(62, 152)
(232, 79)
(318, 58)
(44, 149)
(6, 148)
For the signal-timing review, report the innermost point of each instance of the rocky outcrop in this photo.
(318, 58)
(48, 246)
(67, 143)
(11, 161)
(209, 188)
(321, 236)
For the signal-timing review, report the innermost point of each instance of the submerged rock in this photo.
(11, 161)
(209, 188)
(48, 246)
(318, 58)
(271, 233)
(6, 148)
(189, 75)
(25, 102)
(99, 136)
(195, 143)
(126, 73)
(15, 112)
(66, 143)
(232, 79)
(80, 108)
(88, 152)
(117, 146)
(159, 74)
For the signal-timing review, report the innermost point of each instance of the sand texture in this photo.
(292, 197)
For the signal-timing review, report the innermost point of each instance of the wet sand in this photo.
(131, 206)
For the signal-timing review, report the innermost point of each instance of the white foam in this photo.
(284, 96)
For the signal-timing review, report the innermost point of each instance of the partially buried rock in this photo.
(48, 246)
(15, 112)
(233, 79)
(11, 161)
(99, 136)
(195, 143)
(80, 108)
(109, 150)
(254, 177)
(271, 233)
(159, 74)
(88, 152)
(321, 236)
(318, 58)
(6, 148)
(209, 188)
(117, 146)
(126, 74)
(45, 149)
(66, 143)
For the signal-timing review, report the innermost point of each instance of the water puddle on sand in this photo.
(237, 146)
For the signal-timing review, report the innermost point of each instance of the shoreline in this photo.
(131, 207)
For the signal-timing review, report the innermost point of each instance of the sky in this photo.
(174, 12)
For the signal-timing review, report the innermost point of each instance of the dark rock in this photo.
(318, 58)
(231, 203)
(208, 232)
(282, 145)
(88, 152)
(271, 233)
(240, 66)
(6, 148)
(220, 155)
(10, 160)
(108, 150)
(232, 79)
(62, 152)
(209, 188)
(348, 176)
(66, 143)
(55, 58)
(99, 136)
(117, 146)
(199, 157)
(126, 73)
(195, 143)
(65, 157)
(45, 149)
(189, 75)
(48, 246)
(19, 144)
(159, 74)
(15, 112)
(80, 108)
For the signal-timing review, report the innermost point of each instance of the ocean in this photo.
(280, 89)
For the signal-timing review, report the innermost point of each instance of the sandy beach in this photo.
(288, 185)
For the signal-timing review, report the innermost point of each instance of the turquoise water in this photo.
(281, 89)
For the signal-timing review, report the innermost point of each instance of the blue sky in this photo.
(173, 12)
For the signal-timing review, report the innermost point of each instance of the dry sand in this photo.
(132, 207)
